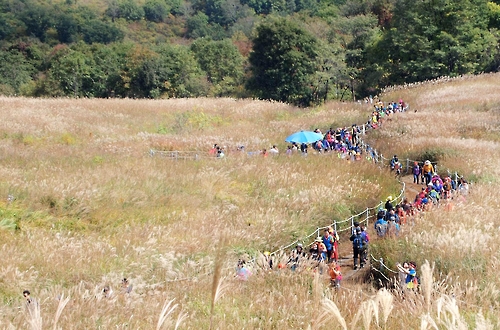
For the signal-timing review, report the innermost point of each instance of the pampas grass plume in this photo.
(167, 309)
(427, 283)
(385, 299)
(331, 308)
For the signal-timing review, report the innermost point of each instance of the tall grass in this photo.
(90, 207)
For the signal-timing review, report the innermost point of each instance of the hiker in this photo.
(434, 196)
(213, 151)
(381, 225)
(388, 204)
(322, 251)
(428, 171)
(313, 250)
(394, 160)
(107, 292)
(220, 152)
(328, 241)
(27, 296)
(416, 172)
(335, 274)
(358, 246)
(447, 188)
(411, 280)
(401, 214)
(403, 273)
(392, 227)
(126, 286)
(463, 186)
(366, 238)
(336, 239)
(30, 303)
(268, 260)
(274, 151)
(303, 148)
(242, 272)
(297, 254)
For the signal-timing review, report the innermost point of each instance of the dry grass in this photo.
(92, 207)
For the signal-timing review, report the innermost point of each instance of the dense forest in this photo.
(298, 51)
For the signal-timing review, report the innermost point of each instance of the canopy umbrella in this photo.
(304, 137)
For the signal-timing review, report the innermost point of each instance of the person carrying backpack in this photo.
(358, 248)
(394, 160)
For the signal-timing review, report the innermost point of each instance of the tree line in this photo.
(299, 51)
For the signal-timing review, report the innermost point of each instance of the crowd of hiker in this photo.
(345, 140)
(323, 252)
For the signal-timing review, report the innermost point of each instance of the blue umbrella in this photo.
(304, 137)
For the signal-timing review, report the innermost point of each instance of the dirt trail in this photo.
(345, 247)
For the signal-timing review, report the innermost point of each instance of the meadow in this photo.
(83, 205)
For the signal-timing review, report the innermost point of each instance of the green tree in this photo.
(67, 27)
(15, 70)
(156, 10)
(38, 19)
(173, 72)
(260, 6)
(96, 31)
(198, 26)
(225, 12)
(283, 62)
(72, 69)
(432, 38)
(221, 61)
(354, 33)
(10, 26)
(494, 15)
(127, 9)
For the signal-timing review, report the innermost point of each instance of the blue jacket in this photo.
(379, 221)
(328, 242)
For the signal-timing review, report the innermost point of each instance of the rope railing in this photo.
(378, 271)
(409, 166)
(382, 264)
(351, 227)
(176, 154)
(362, 218)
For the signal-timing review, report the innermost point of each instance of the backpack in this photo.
(358, 242)
(381, 229)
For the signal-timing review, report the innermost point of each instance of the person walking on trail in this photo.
(394, 160)
(335, 274)
(336, 239)
(416, 172)
(297, 254)
(388, 204)
(328, 242)
(428, 171)
(366, 238)
(358, 247)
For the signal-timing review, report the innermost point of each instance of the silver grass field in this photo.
(83, 205)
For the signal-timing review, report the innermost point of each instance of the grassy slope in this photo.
(93, 207)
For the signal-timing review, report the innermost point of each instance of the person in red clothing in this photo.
(213, 151)
(335, 251)
(335, 274)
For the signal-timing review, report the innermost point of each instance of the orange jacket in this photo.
(428, 168)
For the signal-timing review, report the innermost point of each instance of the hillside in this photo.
(301, 52)
(85, 205)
